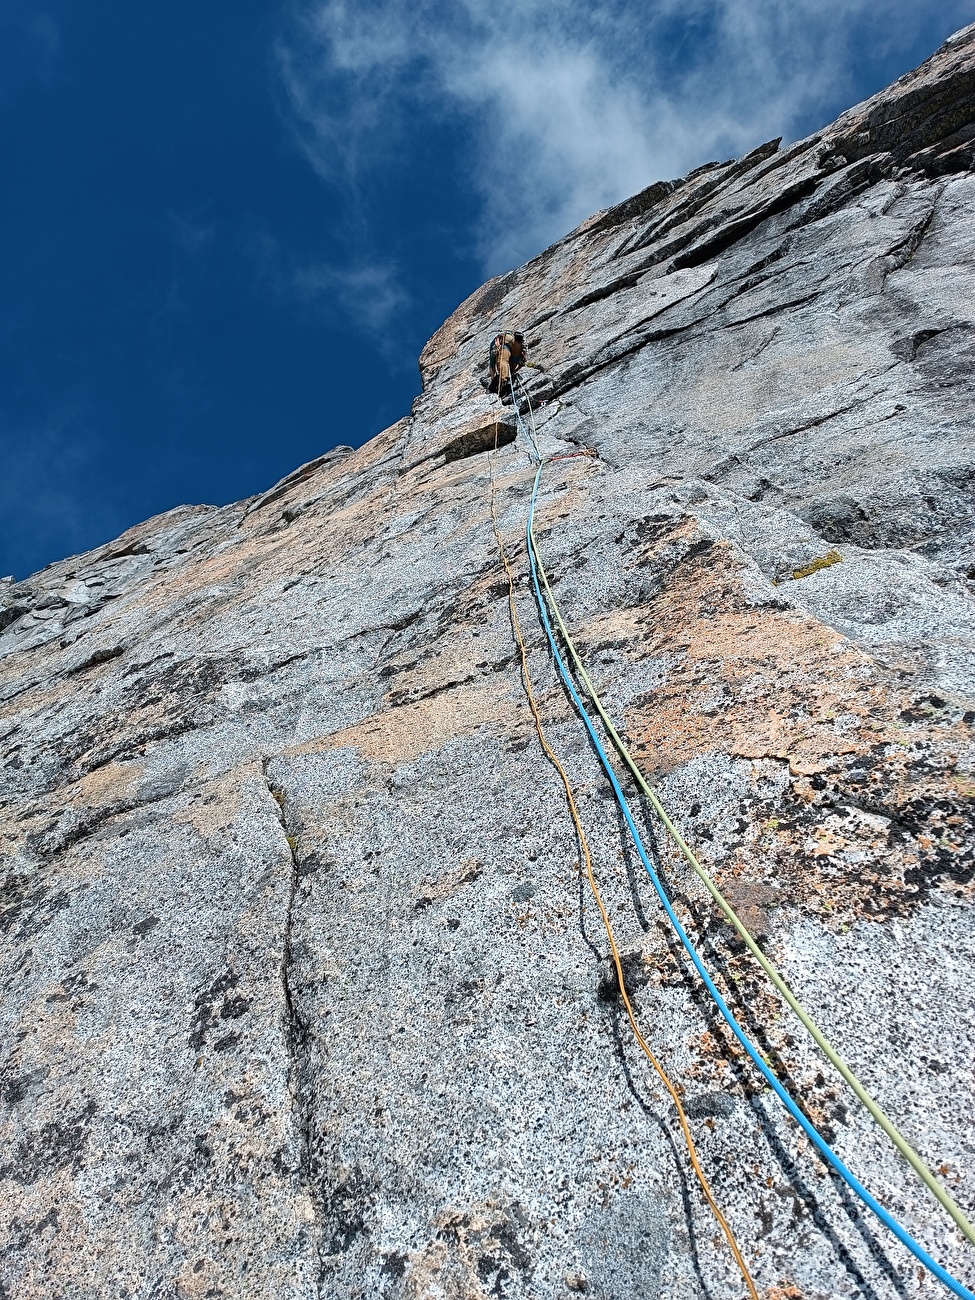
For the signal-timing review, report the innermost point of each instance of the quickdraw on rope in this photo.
(597, 895)
(546, 603)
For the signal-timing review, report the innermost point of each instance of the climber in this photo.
(508, 355)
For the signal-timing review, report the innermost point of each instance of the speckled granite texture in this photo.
(303, 996)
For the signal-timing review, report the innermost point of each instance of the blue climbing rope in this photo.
(828, 1154)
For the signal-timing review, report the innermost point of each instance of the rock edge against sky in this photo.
(303, 995)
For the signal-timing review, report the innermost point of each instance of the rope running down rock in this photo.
(590, 875)
(547, 601)
(803, 1016)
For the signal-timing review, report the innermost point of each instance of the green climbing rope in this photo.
(818, 1037)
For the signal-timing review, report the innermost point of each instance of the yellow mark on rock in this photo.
(821, 562)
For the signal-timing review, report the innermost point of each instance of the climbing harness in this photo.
(549, 611)
(597, 895)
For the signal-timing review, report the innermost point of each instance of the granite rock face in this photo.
(303, 994)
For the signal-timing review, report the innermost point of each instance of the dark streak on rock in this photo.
(296, 1030)
(57, 1145)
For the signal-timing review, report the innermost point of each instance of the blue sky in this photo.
(228, 229)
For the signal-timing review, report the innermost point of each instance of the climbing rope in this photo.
(811, 1133)
(805, 1019)
(597, 895)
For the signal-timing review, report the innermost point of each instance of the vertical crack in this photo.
(296, 1030)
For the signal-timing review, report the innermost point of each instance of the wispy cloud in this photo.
(359, 290)
(29, 44)
(190, 232)
(371, 289)
(571, 106)
(46, 500)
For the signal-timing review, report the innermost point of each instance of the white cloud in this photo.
(369, 291)
(360, 289)
(572, 106)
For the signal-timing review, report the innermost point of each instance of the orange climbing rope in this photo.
(607, 924)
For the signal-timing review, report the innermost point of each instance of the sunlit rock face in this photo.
(304, 995)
